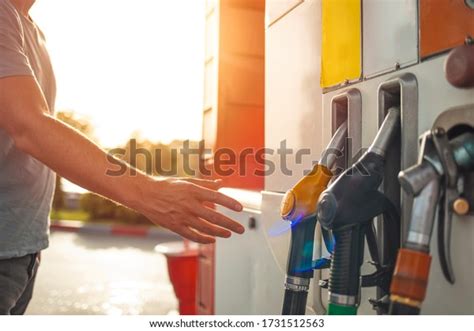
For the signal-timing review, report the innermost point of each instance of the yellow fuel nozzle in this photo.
(301, 200)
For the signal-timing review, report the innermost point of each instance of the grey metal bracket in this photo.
(347, 106)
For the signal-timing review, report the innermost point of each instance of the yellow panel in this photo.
(341, 42)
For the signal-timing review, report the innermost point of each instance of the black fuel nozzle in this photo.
(336, 205)
(348, 207)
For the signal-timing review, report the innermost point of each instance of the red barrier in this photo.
(128, 230)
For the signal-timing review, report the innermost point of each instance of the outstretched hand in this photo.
(179, 205)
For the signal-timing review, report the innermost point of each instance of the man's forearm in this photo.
(79, 160)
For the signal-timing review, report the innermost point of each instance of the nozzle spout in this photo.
(423, 216)
(386, 132)
(415, 178)
(335, 146)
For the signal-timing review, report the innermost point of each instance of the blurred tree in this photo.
(101, 209)
(79, 123)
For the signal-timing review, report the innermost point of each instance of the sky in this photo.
(128, 65)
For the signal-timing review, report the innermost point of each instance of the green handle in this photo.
(335, 309)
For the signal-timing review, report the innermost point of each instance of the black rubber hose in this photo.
(294, 302)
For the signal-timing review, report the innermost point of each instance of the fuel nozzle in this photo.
(336, 205)
(347, 208)
(300, 201)
(440, 159)
(299, 207)
(433, 182)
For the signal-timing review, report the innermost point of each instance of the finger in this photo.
(219, 198)
(195, 236)
(210, 184)
(219, 219)
(205, 227)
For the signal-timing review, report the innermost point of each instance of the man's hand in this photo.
(175, 204)
(178, 204)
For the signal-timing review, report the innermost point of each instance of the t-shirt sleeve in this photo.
(13, 60)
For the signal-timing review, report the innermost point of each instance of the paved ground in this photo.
(102, 274)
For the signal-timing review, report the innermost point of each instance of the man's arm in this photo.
(174, 204)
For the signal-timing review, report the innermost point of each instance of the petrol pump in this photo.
(326, 66)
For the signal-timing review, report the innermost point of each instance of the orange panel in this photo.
(444, 24)
(242, 128)
(239, 34)
(244, 82)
